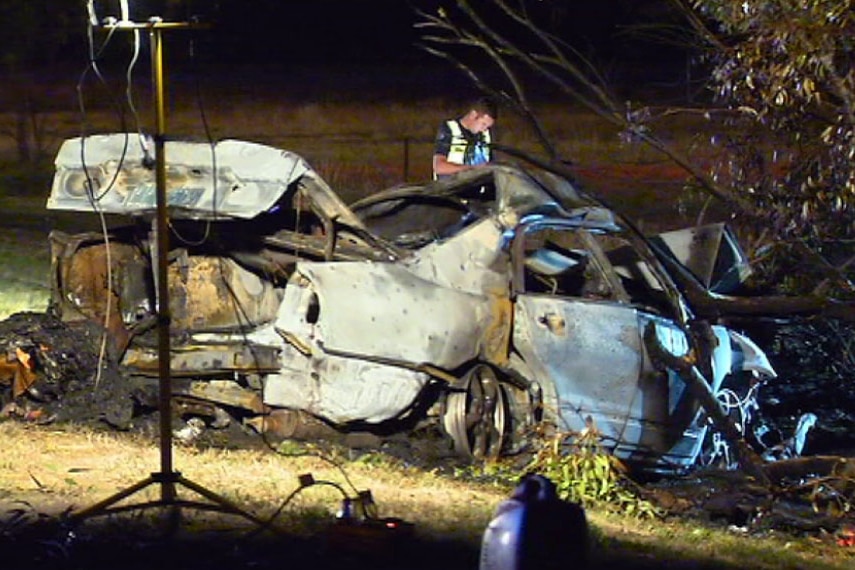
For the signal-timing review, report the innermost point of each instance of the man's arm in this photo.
(442, 167)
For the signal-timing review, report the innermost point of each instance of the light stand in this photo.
(167, 478)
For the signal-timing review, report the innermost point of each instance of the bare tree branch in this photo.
(594, 82)
(698, 25)
(520, 102)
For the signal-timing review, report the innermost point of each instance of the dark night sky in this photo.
(358, 34)
(360, 31)
(315, 31)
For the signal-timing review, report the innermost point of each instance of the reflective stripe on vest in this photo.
(457, 148)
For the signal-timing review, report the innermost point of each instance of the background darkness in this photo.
(369, 31)
(292, 42)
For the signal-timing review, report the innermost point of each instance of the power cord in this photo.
(211, 142)
(358, 508)
(305, 481)
(90, 186)
(244, 319)
(148, 160)
(357, 522)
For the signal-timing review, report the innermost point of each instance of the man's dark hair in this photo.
(485, 106)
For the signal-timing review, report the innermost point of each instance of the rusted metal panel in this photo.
(215, 293)
(496, 338)
(85, 287)
(206, 359)
(224, 392)
(206, 293)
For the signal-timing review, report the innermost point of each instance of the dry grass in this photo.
(78, 466)
(52, 468)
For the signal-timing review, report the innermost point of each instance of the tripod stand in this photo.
(167, 478)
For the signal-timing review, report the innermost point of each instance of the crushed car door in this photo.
(580, 331)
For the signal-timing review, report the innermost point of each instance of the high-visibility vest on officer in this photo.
(465, 143)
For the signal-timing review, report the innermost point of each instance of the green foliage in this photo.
(586, 473)
(784, 71)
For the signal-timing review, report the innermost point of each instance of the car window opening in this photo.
(556, 263)
(636, 276)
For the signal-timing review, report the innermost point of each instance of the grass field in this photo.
(77, 467)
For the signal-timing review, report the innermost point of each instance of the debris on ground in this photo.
(54, 371)
(808, 495)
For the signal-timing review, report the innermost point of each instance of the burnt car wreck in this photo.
(487, 303)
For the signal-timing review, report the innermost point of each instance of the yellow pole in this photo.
(162, 244)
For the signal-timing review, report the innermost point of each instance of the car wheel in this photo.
(716, 450)
(476, 414)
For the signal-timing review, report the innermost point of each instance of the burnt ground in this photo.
(74, 380)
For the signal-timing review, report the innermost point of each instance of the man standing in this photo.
(464, 143)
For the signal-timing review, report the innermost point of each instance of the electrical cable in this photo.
(148, 160)
(269, 521)
(211, 143)
(90, 186)
(102, 351)
(92, 64)
(316, 454)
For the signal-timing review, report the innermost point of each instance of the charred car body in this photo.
(487, 303)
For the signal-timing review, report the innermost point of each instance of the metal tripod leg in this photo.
(169, 498)
(103, 507)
